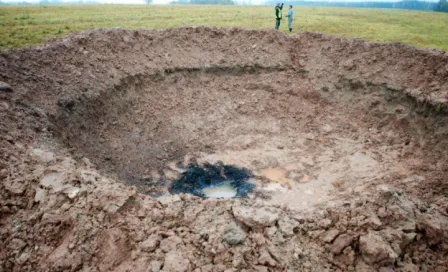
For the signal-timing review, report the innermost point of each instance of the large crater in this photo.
(337, 147)
(308, 115)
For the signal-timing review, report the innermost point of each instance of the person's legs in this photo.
(290, 25)
(277, 24)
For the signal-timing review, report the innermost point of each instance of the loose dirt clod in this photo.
(346, 142)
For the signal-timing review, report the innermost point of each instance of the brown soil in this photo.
(348, 141)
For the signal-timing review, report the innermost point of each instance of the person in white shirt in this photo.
(290, 18)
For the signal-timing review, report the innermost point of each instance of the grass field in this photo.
(28, 26)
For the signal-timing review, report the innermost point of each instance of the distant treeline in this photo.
(414, 5)
(410, 5)
(442, 6)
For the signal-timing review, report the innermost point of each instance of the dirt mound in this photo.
(346, 142)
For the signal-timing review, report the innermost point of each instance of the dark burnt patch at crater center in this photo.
(200, 180)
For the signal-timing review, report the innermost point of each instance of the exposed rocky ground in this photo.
(91, 123)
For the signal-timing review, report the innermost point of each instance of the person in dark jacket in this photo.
(278, 15)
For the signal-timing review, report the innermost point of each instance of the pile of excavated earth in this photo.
(346, 141)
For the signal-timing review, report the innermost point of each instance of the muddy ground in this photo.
(348, 142)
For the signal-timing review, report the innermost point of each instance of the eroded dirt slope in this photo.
(349, 140)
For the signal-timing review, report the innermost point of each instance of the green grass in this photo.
(28, 26)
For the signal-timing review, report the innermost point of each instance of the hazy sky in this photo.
(254, 2)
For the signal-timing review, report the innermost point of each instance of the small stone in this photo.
(266, 259)
(155, 266)
(23, 258)
(330, 235)
(167, 199)
(382, 212)
(375, 221)
(71, 192)
(42, 155)
(17, 244)
(5, 87)
(150, 244)
(348, 256)
(410, 267)
(375, 249)
(340, 243)
(287, 225)
(260, 268)
(53, 180)
(255, 218)
(407, 239)
(175, 262)
(171, 243)
(234, 235)
(3, 173)
(408, 227)
(433, 227)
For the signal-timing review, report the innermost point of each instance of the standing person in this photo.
(290, 18)
(278, 15)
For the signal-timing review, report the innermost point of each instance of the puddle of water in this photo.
(224, 190)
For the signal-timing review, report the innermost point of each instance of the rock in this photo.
(3, 173)
(87, 176)
(410, 267)
(14, 186)
(155, 266)
(340, 243)
(40, 195)
(167, 199)
(42, 155)
(363, 267)
(151, 243)
(307, 161)
(348, 256)
(375, 221)
(5, 87)
(382, 212)
(54, 180)
(326, 128)
(23, 258)
(330, 235)
(435, 228)
(375, 249)
(270, 232)
(387, 191)
(233, 234)
(175, 262)
(255, 217)
(170, 243)
(287, 225)
(16, 244)
(260, 268)
(407, 239)
(266, 259)
(71, 192)
(238, 260)
(408, 226)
